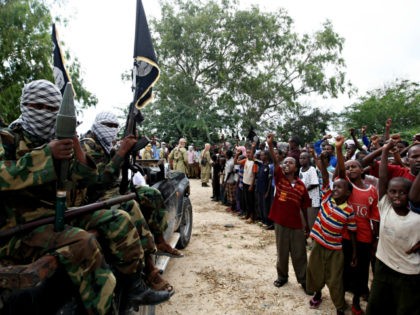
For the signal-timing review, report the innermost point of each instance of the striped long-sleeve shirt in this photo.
(331, 219)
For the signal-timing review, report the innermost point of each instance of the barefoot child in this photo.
(326, 261)
(396, 282)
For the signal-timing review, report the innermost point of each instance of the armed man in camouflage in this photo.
(96, 143)
(178, 157)
(27, 191)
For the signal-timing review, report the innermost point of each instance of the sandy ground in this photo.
(229, 268)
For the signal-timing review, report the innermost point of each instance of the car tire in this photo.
(185, 227)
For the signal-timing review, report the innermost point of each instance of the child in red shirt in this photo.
(364, 201)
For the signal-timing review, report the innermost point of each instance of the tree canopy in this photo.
(225, 69)
(26, 54)
(399, 100)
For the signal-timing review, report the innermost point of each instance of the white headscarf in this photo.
(104, 133)
(39, 122)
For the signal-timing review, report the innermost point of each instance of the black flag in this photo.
(146, 70)
(61, 77)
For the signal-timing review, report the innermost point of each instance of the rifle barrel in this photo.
(70, 213)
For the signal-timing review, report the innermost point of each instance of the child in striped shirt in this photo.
(326, 261)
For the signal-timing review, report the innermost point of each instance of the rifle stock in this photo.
(68, 215)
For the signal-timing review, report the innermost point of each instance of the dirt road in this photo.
(229, 268)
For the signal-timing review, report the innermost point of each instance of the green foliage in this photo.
(26, 53)
(399, 101)
(224, 69)
(311, 125)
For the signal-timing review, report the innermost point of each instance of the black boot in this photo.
(138, 293)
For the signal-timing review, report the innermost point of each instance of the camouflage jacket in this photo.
(180, 159)
(28, 178)
(108, 169)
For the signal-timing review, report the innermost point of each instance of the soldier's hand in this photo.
(61, 149)
(126, 144)
(79, 154)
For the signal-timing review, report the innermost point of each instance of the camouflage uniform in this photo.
(179, 157)
(107, 185)
(153, 208)
(27, 192)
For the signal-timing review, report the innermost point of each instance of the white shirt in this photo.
(138, 180)
(249, 176)
(310, 177)
(397, 234)
(229, 168)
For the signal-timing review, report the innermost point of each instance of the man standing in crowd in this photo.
(205, 165)
(249, 173)
(178, 157)
(191, 161)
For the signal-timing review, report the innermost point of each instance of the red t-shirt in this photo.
(394, 171)
(365, 205)
(288, 201)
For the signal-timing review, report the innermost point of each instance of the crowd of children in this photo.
(358, 203)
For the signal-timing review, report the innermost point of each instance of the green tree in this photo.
(399, 100)
(224, 69)
(26, 53)
(307, 123)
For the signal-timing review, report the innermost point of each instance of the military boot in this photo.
(138, 293)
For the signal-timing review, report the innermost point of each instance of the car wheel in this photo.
(185, 227)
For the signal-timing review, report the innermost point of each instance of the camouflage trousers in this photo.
(149, 215)
(78, 252)
(119, 237)
(136, 216)
(153, 208)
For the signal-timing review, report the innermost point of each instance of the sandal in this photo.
(157, 283)
(314, 303)
(166, 250)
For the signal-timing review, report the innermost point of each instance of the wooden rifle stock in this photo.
(68, 215)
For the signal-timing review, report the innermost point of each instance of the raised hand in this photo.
(339, 141)
(270, 139)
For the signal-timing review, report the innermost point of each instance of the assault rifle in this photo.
(69, 214)
(134, 116)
